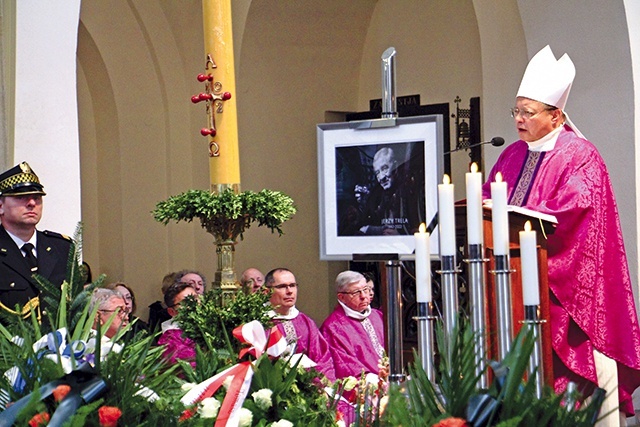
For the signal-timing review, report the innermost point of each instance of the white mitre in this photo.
(548, 80)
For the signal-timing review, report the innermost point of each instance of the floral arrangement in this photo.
(63, 371)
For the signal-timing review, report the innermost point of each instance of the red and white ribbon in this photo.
(252, 333)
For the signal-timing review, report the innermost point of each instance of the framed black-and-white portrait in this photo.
(377, 184)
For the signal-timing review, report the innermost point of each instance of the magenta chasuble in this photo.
(592, 304)
(352, 349)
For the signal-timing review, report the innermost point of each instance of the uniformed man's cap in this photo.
(20, 179)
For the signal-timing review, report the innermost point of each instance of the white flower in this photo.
(262, 398)
(187, 386)
(246, 416)
(148, 393)
(282, 423)
(305, 362)
(227, 382)
(350, 383)
(340, 423)
(208, 407)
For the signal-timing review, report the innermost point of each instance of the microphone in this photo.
(496, 141)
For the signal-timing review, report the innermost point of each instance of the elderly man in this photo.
(554, 169)
(194, 278)
(301, 332)
(252, 280)
(111, 308)
(354, 330)
(395, 206)
(177, 346)
(25, 251)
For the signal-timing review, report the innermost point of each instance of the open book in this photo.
(525, 211)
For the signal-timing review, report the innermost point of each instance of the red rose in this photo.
(61, 392)
(451, 422)
(109, 416)
(41, 419)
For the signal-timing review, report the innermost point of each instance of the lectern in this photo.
(543, 228)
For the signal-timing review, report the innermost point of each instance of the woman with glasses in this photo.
(555, 170)
(123, 289)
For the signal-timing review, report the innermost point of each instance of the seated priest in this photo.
(300, 331)
(555, 170)
(354, 330)
(177, 345)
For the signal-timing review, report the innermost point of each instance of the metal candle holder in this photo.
(394, 322)
(533, 322)
(449, 282)
(425, 319)
(503, 297)
(477, 292)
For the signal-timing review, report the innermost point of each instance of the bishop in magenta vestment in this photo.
(591, 302)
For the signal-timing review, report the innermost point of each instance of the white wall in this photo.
(46, 117)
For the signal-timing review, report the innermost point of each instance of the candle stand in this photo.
(425, 319)
(477, 292)
(533, 322)
(449, 282)
(503, 296)
(394, 322)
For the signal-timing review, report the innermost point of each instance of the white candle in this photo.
(474, 205)
(499, 215)
(529, 266)
(446, 217)
(423, 265)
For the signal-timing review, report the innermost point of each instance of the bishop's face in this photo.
(534, 119)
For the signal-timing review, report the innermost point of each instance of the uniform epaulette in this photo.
(58, 235)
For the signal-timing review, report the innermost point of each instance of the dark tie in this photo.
(31, 260)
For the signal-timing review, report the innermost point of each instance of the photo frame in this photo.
(378, 180)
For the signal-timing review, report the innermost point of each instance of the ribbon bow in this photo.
(252, 333)
(50, 346)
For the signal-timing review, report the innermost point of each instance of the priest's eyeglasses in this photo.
(367, 292)
(527, 114)
(284, 286)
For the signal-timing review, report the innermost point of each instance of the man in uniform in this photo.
(25, 251)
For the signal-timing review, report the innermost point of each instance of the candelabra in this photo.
(425, 319)
(476, 263)
(533, 322)
(449, 274)
(502, 273)
(394, 323)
